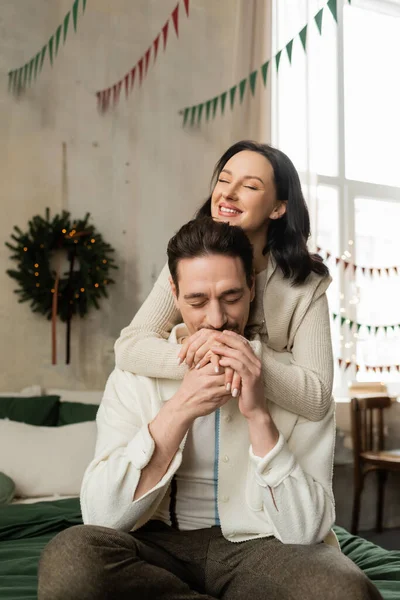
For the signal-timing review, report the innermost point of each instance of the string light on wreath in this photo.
(51, 292)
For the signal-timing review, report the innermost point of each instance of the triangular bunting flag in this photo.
(337, 260)
(165, 33)
(387, 271)
(75, 9)
(199, 113)
(65, 27)
(264, 72)
(175, 19)
(99, 96)
(333, 8)
(303, 37)
(379, 272)
(155, 44)
(133, 73)
(340, 362)
(223, 100)
(116, 92)
(346, 264)
(185, 116)
(351, 323)
(232, 94)
(371, 272)
(342, 320)
(51, 50)
(242, 87)
(289, 48)
(37, 58)
(193, 115)
(395, 270)
(348, 363)
(358, 327)
(208, 106)
(31, 70)
(126, 83)
(278, 59)
(83, 6)
(140, 65)
(318, 19)
(147, 60)
(376, 330)
(252, 81)
(214, 105)
(58, 37)
(369, 328)
(186, 3)
(25, 73)
(334, 315)
(43, 54)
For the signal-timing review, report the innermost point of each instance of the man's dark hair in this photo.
(204, 237)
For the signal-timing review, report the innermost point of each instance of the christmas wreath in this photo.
(38, 253)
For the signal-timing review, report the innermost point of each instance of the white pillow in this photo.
(46, 461)
(91, 397)
(32, 390)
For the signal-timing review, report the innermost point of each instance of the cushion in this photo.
(34, 410)
(46, 461)
(76, 412)
(7, 489)
(82, 396)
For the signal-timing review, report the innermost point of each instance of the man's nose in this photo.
(216, 316)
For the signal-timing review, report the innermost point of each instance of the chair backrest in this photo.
(367, 423)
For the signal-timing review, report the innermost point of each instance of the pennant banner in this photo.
(345, 364)
(109, 97)
(19, 79)
(301, 37)
(355, 327)
(351, 267)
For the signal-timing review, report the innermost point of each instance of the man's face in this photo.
(213, 293)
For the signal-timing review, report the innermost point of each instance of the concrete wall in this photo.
(137, 172)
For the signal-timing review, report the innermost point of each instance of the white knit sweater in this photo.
(297, 358)
(287, 493)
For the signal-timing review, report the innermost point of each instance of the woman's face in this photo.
(245, 194)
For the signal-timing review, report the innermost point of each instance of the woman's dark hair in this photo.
(203, 237)
(287, 236)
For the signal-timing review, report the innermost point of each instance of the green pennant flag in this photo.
(193, 115)
(10, 79)
(51, 50)
(369, 328)
(20, 73)
(42, 55)
(185, 116)
(358, 327)
(199, 113)
(334, 315)
(289, 47)
(342, 320)
(75, 9)
(208, 106)
(252, 81)
(66, 23)
(232, 94)
(214, 104)
(25, 73)
(223, 100)
(264, 72)
(376, 330)
(58, 37)
(385, 329)
(278, 59)
(332, 4)
(30, 70)
(37, 57)
(303, 37)
(83, 6)
(351, 323)
(318, 19)
(242, 87)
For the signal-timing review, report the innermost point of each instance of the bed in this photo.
(29, 427)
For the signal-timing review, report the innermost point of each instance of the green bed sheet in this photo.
(25, 529)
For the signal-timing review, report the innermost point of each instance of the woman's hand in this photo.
(196, 352)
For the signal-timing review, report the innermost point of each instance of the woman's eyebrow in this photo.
(245, 177)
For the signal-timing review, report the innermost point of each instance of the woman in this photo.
(256, 187)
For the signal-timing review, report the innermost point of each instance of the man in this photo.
(193, 493)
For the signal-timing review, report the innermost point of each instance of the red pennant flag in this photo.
(116, 92)
(346, 264)
(357, 368)
(126, 82)
(387, 271)
(165, 33)
(371, 272)
(395, 270)
(381, 369)
(337, 260)
(155, 44)
(348, 363)
(328, 255)
(99, 97)
(106, 95)
(363, 270)
(340, 362)
(354, 268)
(398, 367)
(140, 65)
(186, 3)
(147, 60)
(319, 249)
(133, 73)
(175, 16)
(379, 272)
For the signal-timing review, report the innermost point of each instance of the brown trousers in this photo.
(86, 562)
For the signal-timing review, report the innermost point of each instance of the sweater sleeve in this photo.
(142, 347)
(304, 385)
(292, 484)
(124, 447)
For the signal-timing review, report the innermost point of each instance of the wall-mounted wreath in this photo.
(39, 256)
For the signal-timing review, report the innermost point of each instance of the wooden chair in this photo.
(367, 425)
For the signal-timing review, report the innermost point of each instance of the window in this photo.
(335, 113)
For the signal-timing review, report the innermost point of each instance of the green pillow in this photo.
(7, 489)
(33, 410)
(76, 412)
